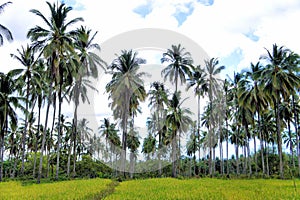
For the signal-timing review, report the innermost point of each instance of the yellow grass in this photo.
(169, 188)
(76, 189)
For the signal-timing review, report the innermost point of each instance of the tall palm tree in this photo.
(179, 67)
(28, 79)
(228, 114)
(213, 82)
(255, 99)
(199, 82)
(8, 115)
(179, 64)
(88, 66)
(235, 126)
(126, 81)
(55, 43)
(3, 30)
(246, 116)
(158, 99)
(178, 119)
(108, 130)
(280, 83)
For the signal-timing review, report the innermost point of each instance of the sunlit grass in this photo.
(169, 188)
(75, 189)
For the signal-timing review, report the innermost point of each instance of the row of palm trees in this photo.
(57, 64)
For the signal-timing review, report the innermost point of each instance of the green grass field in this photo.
(164, 188)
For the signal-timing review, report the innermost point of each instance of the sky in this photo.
(234, 31)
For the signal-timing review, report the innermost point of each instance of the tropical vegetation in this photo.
(256, 111)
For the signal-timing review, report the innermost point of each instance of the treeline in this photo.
(259, 105)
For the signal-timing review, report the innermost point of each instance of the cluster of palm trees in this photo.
(259, 105)
(56, 65)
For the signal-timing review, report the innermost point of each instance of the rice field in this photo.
(169, 188)
(75, 189)
(163, 188)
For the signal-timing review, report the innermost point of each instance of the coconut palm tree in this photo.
(88, 66)
(55, 43)
(199, 82)
(28, 79)
(179, 65)
(126, 81)
(158, 98)
(255, 99)
(8, 115)
(108, 130)
(3, 30)
(228, 114)
(280, 83)
(178, 119)
(213, 84)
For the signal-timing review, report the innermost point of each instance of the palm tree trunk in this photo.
(59, 128)
(69, 158)
(279, 139)
(131, 164)
(296, 131)
(75, 124)
(255, 155)
(174, 152)
(249, 157)
(267, 159)
(291, 144)
(25, 129)
(36, 143)
(15, 165)
(245, 158)
(44, 137)
(221, 158)
(1, 156)
(261, 149)
(198, 130)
